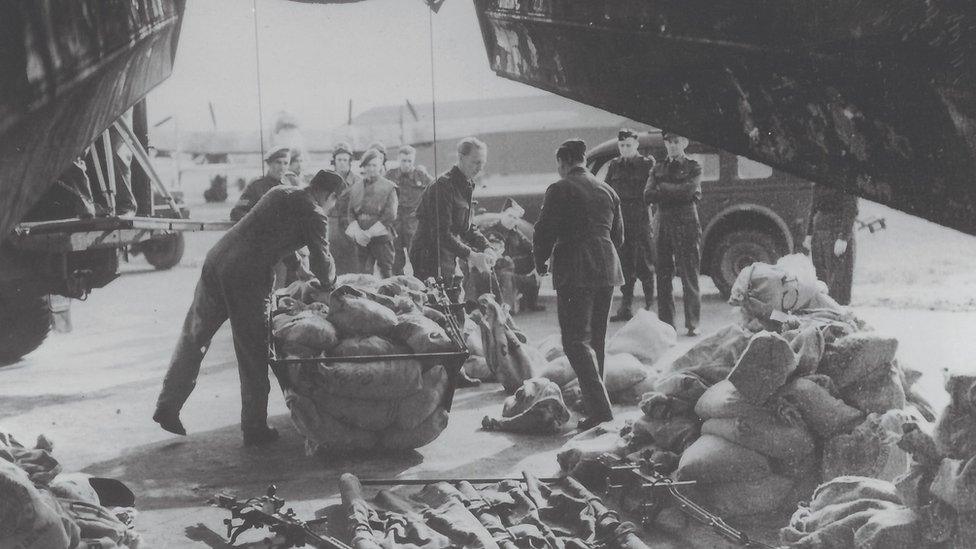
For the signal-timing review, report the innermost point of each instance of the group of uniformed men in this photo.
(595, 234)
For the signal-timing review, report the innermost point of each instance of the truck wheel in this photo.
(25, 321)
(164, 253)
(737, 250)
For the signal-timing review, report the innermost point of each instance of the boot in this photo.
(648, 294)
(170, 421)
(260, 437)
(624, 313)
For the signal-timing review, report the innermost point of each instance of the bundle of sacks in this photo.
(43, 508)
(932, 505)
(799, 392)
(629, 367)
(390, 403)
(500, 352)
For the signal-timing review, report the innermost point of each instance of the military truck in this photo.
(749, 211)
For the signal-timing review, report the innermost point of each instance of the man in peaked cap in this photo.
(674, 186)
(234, 285)
(627, 174)
(277, 161)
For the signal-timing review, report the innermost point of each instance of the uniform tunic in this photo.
(410, 189)
(373, 202)
(832, 218)
(675, 187)
(628, 177)
(235, 283)
(444, 216)
(343, 248)
(251, 194)
(581, 228)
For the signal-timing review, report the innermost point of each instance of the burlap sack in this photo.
(356, 316)
(31, 518)
(644, 336)
(766, 435)
(712, 459)
(309, 329)
(421, 435)
(736, 499)
(421, 335)
(822, 412)
(857, 356)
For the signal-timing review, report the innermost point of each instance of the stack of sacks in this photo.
(858, 512)
(770, 292)
(606, 438)
(42, 508)
(509, 359)
(627, 372)
(385, 403)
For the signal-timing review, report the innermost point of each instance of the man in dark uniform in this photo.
(444, 218)
(277, 161)
(411, 181)
(581, 228)
(627, 175)
(674, 186)
(235, 283)
(343, 248)
(516, 252)
(830, 239)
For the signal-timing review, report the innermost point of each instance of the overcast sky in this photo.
(314, 58)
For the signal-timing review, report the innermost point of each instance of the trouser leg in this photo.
(528, 286)
(844, 276)
(405, 232)
(207, 313)
(602, 299)
(383, 254)
(665, 277)
(648, 285)
(575, 310)
(247, 307)
(689, 262)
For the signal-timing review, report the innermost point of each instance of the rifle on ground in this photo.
(265, 512)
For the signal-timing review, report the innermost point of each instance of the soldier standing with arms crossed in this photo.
(674, 186)
(830, 239)
(581, 228)
(627, 175)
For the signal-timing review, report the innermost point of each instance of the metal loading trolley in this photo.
(440, 297)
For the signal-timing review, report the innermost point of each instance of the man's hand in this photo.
(840, 246)
(808, 242)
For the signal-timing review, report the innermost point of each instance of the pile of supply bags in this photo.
(795, 393)
(629, 367)
(43, 508)
(390, 403)
(932, 505)
(500, 352)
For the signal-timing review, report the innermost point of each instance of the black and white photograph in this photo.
(488, 274)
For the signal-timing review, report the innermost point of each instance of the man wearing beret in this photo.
(627, 175)
(372, 214)
(277, 161)
(674, 186)
(235, 283)
(343, 248)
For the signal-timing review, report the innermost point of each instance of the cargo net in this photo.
(370, 365)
